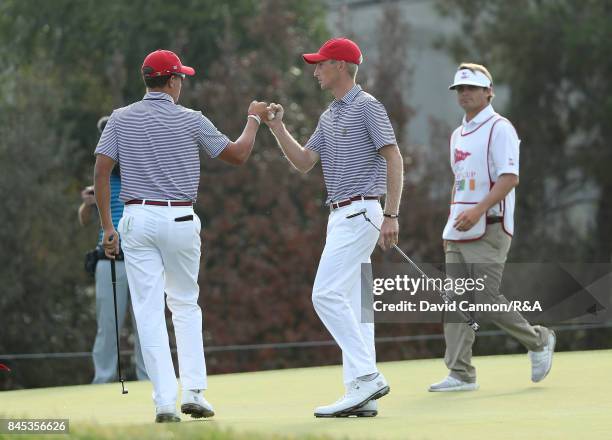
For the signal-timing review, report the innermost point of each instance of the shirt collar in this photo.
(158, 95)
(484, 114)
(348, 97)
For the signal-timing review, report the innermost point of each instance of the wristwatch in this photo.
(391, 215)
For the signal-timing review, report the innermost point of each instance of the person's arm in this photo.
(378, 125)
(302, 159)
(389, 230)
(237, 152)
(467, 219)
(88, 205)
(445, 242)
(102, 171)
(85, 214)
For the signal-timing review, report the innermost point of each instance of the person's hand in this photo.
(110, 242)
(259, 108)
(87, 195)
(389, 233)
(278, 111)
(468, 218)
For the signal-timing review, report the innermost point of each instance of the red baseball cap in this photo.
(165, 62)
(340, 49)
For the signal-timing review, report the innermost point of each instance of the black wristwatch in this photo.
(391, 215)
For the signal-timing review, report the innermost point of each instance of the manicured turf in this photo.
(574, 402)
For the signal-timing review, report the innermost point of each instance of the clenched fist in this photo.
(259, 108)
(277, 112)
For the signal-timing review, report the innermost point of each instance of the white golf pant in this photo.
(162, 254)
(336, 294)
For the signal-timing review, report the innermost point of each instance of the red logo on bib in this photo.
(461, 155)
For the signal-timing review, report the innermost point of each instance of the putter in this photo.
(114, 281)
(445, 297)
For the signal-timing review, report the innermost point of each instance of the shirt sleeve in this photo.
(108, 145)
(378, 124)
(316, 141)
(211, 140)
(504, 150)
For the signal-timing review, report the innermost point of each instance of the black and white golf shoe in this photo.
(166, 414)
(194, 404)
(359, 394)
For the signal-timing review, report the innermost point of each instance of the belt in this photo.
(159, 202)
(491, 220)
(336, 205)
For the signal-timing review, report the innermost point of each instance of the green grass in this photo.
(575, 401)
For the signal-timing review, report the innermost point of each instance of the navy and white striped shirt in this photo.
(348, 136)
(157, 144)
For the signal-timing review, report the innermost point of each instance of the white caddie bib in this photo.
(473, 181)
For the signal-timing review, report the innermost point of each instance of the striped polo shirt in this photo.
(157, 144)
(348, 136)
(116, 205)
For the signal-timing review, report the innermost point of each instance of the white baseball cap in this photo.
(467, 77)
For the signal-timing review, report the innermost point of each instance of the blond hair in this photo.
(480, 68)
(351, 68)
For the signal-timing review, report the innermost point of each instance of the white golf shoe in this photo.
(166, 414)
(370, 409)
(359, 393)
(452, 384)
(541, 361)
(194, 404)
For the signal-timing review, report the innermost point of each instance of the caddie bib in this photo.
(473, 181)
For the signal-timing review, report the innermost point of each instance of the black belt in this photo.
(336, 205)
(159, 202)
(492, 220)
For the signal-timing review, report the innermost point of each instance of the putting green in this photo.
(575, 401)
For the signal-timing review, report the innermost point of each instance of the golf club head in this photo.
(123, 388)
(355, 214)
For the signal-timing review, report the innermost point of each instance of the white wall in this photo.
(433, 69)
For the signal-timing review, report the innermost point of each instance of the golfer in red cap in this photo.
(158, 144)
(361, 163)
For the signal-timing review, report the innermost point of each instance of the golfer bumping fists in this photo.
(157, 143)
(361, 162)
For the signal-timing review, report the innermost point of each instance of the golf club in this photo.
(114, 281)
(445, 297)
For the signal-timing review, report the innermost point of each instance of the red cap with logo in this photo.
(340, 49)
(164, 62)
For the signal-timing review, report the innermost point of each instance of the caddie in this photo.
(484, 157)
(157, 142)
